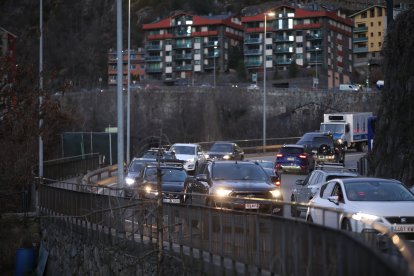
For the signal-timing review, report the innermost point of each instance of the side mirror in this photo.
(300, 182)
(334, 199)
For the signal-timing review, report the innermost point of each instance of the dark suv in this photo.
(294, 158)
(234, 185)
(323, 147)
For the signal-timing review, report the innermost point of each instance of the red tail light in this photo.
(279, 155)
(303, 156)
(277, 183)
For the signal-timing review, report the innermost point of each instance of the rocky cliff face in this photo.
(393, 154)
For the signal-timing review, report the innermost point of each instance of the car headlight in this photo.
(189, 161)
(276, 193)
(129, 181)
(340, 141)
(149, 190)
(366, 217)
(206, 156)
(222, 192)
(226, 157)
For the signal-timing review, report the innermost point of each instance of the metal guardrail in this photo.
(237, 242)
(95, 176)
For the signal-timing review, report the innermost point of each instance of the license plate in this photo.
(171, 200)
(252, 206)
(403, 228)
(290, 159)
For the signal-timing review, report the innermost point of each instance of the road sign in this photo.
(254, 77)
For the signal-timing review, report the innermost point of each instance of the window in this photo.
(364, 14)
(372, 24)
(379, 44)
(372, 44)
(379, 33)
(372, 12)
(372, 34)
(379, 12)
(379, 23)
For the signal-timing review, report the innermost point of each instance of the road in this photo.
(288, 180)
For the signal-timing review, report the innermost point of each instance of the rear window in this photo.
(292, 150)
(330, 177)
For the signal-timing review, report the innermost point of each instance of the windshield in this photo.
(377, 190)
(167, 175)
(183, 150)
(222, 148)
(291, 150)
(333, 128)
(319, 141)
(135, 166)
(234, 171)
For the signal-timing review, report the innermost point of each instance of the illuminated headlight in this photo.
(276, 193)
(226, 157)
(129, 181)
(366, 217)
(222, 192)
(340, 141)
(149, 190)
(331, 157)
(206, 156)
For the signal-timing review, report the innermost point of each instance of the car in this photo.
(133, 170)
(173, 176)
(269, 167)
(253, 86)
(306, 189)
(191, 154)
(358, 202)
(225, 151)
(294, 158)
(234, 185)
(160, 153)
(323, 147)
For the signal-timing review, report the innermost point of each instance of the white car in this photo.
(253, 86)
(191, 154)
(355, 203)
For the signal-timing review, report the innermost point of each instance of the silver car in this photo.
(191, 154)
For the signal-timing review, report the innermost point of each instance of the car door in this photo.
(303, 191)
(201, 184)
(317, 212)
(332, 218)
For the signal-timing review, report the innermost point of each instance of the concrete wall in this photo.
(186, 114)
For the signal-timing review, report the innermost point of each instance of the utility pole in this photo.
(120, 110)
(160, 226)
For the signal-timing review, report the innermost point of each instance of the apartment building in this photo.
(317, 39)
(370, 29)
(184, 46)
(137, 63)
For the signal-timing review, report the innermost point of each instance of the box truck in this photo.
(349, 129)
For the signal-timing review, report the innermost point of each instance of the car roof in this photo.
(345, 171)
(363, 178)
(185, 144)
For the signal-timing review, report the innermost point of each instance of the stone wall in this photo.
(187, 114)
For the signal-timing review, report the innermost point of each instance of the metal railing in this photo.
(235, 241)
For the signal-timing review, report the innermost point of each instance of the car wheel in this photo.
(294, 212)
(346, 225)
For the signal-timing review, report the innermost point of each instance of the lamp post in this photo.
(316, 62)
(128, 153)
(214, 61)
(264, 79)
(367, 81)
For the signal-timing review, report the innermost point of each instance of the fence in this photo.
(229, 241)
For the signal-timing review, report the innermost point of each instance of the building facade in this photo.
(137, 69)
(316, 39)
(184, 46)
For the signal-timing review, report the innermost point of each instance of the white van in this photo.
(349, 87)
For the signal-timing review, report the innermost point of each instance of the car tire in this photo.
(346, 225)
(294, 212)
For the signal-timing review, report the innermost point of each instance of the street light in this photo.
(368, 76)
(264, 78)
(214, 62)
(128, 153)
(316, 62)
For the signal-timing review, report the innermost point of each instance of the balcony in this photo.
(211, 44)
(183, 57)
(153, 58)
(152, 47)
(283, 61)
(253, 52)
(153, 70)
(361, 29)
(255, 63)
(187, 45)
(211, 66)
(316, 36)
(282, 39)
(183, 68)
(211, 55)
(253, 41)
(360, 39)
(314, 48)
(314, 60)
(360, 50)
(281, 50)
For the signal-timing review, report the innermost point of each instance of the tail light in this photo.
(279, 155)
(302, 156)
(277, 183)
(278, 166)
